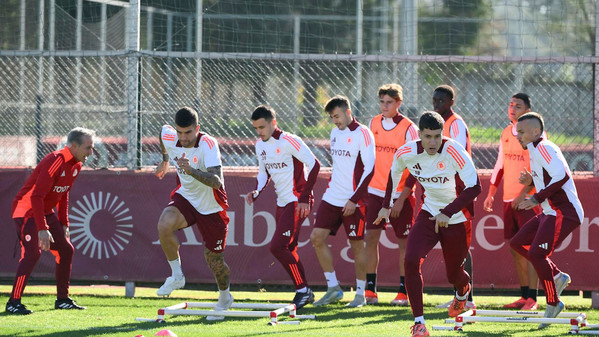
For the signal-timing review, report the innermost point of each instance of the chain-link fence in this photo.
(94, 74)
(229, 89)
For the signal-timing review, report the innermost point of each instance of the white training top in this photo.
(284, 157)
(352, 152)
(204, 154)
(436, 173)
(553, 180)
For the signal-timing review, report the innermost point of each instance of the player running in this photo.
(352, 150)
(199, 199)
(562, 211)
(284, 158)
(435, 161)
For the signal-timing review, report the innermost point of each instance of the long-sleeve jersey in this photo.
(389, 135)
(48, 187)
(456, 129)
(205, 153)
(553, 180)
(284, 158)
(437, 175)
(511, 160)
(352, 151)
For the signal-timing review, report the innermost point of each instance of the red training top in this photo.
(47, 187)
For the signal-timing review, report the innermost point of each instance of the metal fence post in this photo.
(133, 118)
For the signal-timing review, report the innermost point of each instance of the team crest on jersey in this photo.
(27, 237)
(278, 150)
(195, 159)
(441, 166)
(75, 173)
(349, 140)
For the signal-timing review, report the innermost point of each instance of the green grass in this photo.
(109, 313)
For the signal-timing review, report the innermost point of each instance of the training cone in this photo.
(165, 332)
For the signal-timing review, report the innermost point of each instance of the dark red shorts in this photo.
(330, 217)
(401, 225)
(513, 219)
(213, 227)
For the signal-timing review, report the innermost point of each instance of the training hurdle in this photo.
(575, 320)
(273, 311)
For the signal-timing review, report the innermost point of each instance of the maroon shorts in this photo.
(401, 225)
(513, 219)
(330, 217)
(213, 227)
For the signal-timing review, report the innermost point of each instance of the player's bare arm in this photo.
(303, 209)
(398, 204)
(383, 215)
(528, 203)
(162, 167)
(249, 198)
(211, 178)
(521, 197)
(525, 178)
(221, 271)
(488, 204)
(45, 238)
(441, 220)
(349, 208)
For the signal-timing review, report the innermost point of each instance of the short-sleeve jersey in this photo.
(47, 187)
(205, 153)
(386, 144)
(284, 157)
(553, 180)
(511, 160)
(437, 175)
(352, 153)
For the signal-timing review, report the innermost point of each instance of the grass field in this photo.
(109, 313)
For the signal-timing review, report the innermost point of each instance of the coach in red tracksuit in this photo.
(39, 227)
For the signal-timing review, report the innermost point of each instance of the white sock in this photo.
(303, 290)
(331, 279)
(176, 268)
(360, 287)
(224, 294)
(419, 319)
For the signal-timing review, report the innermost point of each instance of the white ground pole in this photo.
(573, 318)
(275, 309)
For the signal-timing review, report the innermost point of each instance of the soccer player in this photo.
(39, 227)
(284, 157)
(511, 160)
(391, 130)
(562, 211)
(199, 199)
(352, 151)
(435, 161)
(456, 129)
